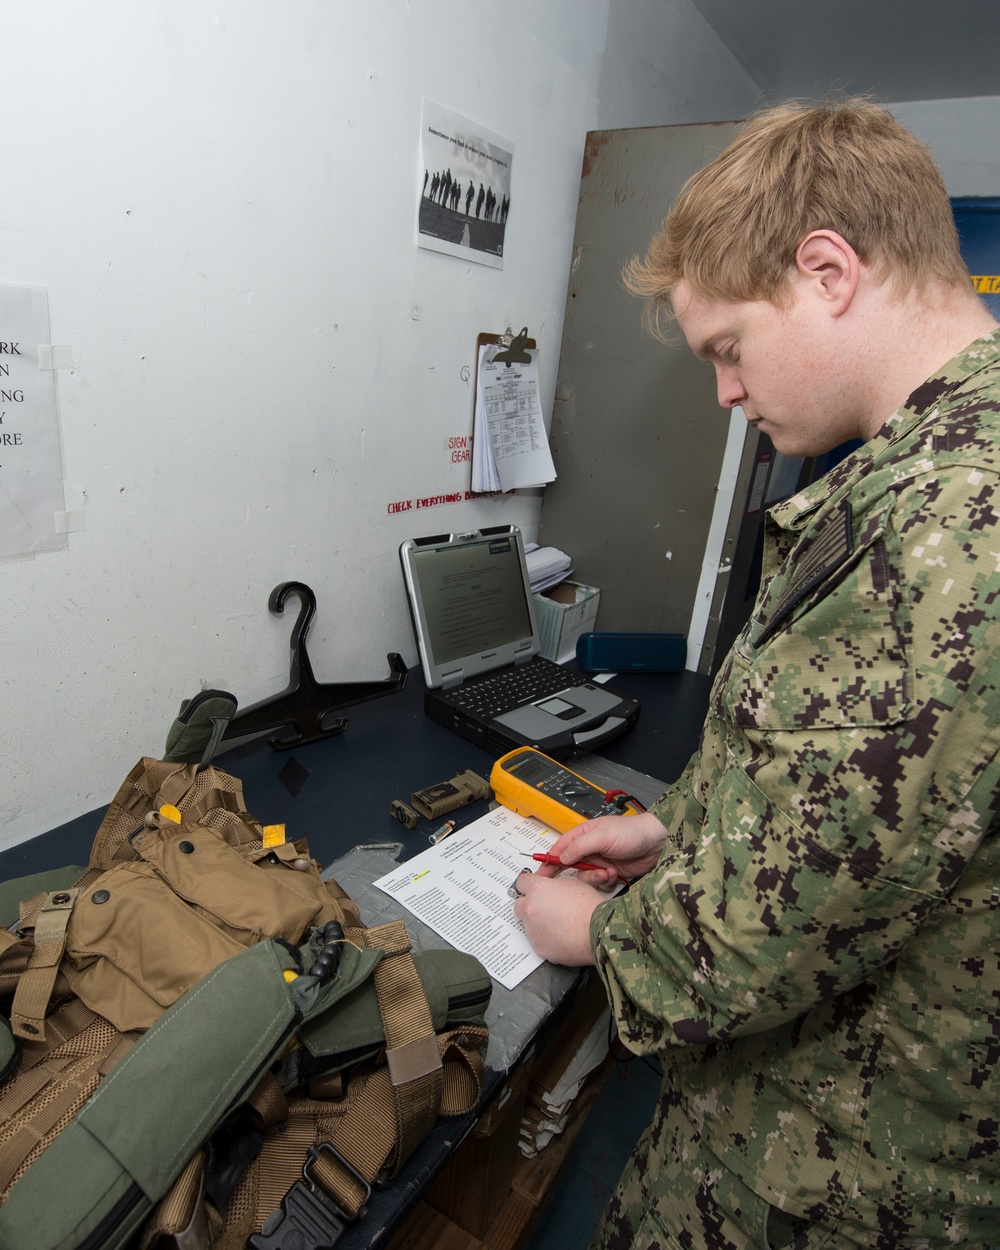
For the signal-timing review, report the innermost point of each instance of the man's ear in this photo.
(830, 266)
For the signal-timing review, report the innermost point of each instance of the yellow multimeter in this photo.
(532, 784)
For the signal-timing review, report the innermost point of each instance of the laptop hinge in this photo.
(454, 678)
(524, 654)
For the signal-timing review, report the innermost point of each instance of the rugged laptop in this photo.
(470, 604)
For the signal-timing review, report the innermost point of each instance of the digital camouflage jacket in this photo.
(816, 956)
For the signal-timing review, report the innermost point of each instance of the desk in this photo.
(337, 794)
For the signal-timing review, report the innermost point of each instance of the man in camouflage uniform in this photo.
(813, 946)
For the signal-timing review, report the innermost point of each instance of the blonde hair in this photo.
(847, 166)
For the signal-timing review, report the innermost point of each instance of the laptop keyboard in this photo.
(499, 692)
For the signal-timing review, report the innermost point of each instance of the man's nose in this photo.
(731, 390)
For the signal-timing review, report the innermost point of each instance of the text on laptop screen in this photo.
(473, 597)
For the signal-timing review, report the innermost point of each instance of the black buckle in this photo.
(307, 1210)
(329, 1148)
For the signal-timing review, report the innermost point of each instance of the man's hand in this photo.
(556, 917)
(629, 845)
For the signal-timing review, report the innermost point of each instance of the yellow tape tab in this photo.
(274, 835)
(171, 813)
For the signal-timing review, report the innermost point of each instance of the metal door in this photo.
(637, 434)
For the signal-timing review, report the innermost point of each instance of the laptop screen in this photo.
(469, 599)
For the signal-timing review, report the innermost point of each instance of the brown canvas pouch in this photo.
(144, 932)
(133, 947)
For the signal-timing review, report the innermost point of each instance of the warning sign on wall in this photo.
(32, 504)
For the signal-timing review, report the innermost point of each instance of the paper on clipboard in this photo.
(510, 446)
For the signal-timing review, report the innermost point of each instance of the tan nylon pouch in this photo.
(134, 947)
(215, 880)
(163, 904)
(146, 931)
(294, 870)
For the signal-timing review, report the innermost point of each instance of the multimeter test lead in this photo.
(556, 862)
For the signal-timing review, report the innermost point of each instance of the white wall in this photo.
(220, 200)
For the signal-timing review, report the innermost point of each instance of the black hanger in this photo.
(305, 705)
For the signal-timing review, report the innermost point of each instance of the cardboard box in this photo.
(563, 613)
(476, 1181)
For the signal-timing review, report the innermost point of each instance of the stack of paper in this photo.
(510, 447)
(562, 1074)
(546, 566)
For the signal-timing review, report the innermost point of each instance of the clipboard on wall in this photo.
(510, 445)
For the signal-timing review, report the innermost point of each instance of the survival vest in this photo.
(206, 1047)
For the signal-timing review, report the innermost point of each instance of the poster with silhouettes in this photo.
(465, 191)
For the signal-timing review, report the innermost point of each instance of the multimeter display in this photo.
(533, 785)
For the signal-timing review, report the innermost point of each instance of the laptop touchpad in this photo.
(533, 721)
(559, 707)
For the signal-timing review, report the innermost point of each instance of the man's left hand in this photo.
(556, 912)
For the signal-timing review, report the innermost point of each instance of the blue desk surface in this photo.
(337, 792)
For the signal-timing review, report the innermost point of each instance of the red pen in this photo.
(555, 861)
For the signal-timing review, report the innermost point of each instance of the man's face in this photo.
(788, 368)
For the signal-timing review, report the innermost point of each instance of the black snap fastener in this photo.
(29, 1028)
(185, 848)
(100, 896)
(60, 900)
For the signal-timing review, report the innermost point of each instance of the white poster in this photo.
(32, 504)
(465, 192)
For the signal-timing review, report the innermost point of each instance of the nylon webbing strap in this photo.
(282, 1163)
(347, 903)
(181, 1215)
(7, 940)
(463, 1069)
(171, 787)
(29, 909)
(21, 1092)
(365, 1135)
(268, 1103)
(366, 1138)
(34, 989)
(411, 1051)
(119, 1050)
(329, 1086)
(361, 1141)
(385, 1120)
